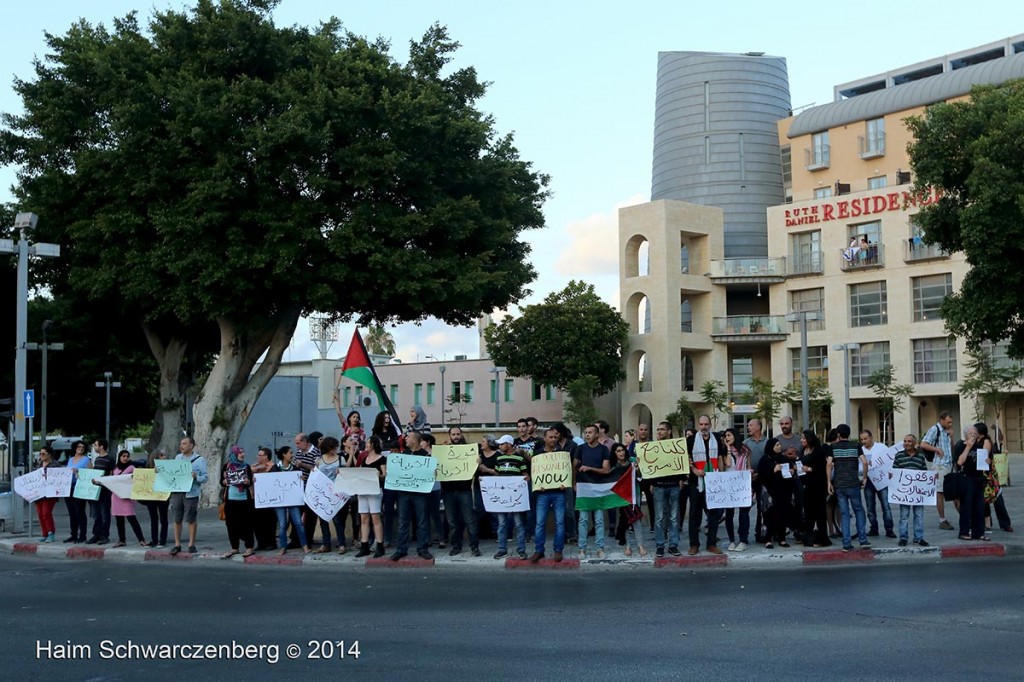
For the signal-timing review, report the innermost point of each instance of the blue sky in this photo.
(574, 81)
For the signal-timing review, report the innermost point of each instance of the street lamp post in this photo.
(802, 316)
(108, 384)
(846, 348)
(45, 346)
(444, 416)
(497, 395)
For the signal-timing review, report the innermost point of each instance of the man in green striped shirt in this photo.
(910, 457)
(511, 461)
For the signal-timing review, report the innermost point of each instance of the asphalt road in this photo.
(954, 619)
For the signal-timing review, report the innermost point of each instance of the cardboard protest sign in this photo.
(85, 489)
(660, 458)
(551, 470)
(502, 494)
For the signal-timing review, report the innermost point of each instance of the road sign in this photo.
(29, 402)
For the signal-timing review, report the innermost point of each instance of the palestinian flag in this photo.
(605, 491)
(359, 369)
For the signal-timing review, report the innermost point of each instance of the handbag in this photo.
(221, 512)
(953, 485)
(992, 488)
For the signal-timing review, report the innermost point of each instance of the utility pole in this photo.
(108, 384)
(45, 346)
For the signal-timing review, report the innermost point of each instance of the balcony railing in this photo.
(748, 325)
(861, 257)
(758, 268)
(916, 250)
(817, 158)
(872, 145)
(806, 264)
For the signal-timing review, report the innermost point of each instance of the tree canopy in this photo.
(970, 152)
(215, 176)
(571, 335)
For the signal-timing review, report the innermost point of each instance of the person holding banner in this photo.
(549, 500)
(911, 458)
(184, 507)
(264, 521)
(370, 505)
(972, 503)
(666, 491)
(740, 456)
(328, 463)
(101, 508)
(629, 529)
(706, 455)
(79, 518)
(122, 509)
(413, 504)
(238, 508)
(45, 505)
(458, 503)
(874, 451)
(293, 514)
(511, 461)
(157, 508)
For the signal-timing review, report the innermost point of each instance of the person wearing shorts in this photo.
(370, 505)
(185, 506)
(937, 445)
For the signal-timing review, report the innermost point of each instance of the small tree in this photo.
(762, 393)
(819, 402)
(713, 393)
(578, 405)
(683, 417)
(379, 340)
(891, 397)
(988, 385)
(456, 408)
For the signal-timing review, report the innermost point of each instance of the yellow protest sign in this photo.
(455, 462)
(142, 486)
(551, 470)
(661, 458)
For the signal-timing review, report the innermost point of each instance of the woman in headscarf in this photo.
(237, 481)
(121, 509)
(772, 472)
(417, 421)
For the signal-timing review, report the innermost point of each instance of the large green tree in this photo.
(215, 176)
(970, 151)
(571, 335)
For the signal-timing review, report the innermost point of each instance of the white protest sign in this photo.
(879, 467)
(983, 460)
(120, 485)
(357, 481)
(31, 486)
(727, 489)
(320, 496)
(786, 473)
(913, 487)
(505, 493)
(278, 489)
(800, 468)
(58, 481)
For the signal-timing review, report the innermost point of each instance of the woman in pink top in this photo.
(121, 508)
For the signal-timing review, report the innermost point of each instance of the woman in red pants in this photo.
(44, 506)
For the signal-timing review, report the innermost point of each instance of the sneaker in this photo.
(903, 542)
(475, 551)
(946, 525)
(873, 533)
(582, 554)
(425, 555)
(659, 552)
(536, 557)
(600, 554)
(847, 548)
(731, 547)
(715, 549)
(921, 543)
(674, 551)
(501, 554)
(890, 534)
(865, 545)
(455, 551)
(522, 555)
(93, 540)
(741, 546)
(42, 539)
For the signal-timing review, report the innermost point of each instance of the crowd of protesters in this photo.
(804, 492)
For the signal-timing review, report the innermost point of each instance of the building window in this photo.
(684, 259)
(819, 152)
(359, 394)
(510, 390)
(807, 252)
(868, 304)
(873, 142)
(394, 395)
(417, 394)
(686, 369)
(870, 231)
(869, 358)
(786, 159)
(877, 182)
(535, 390)
(549, 392)
(822, 192)
(456, 390)
(928, 294)
(742, 374)
(817, 363)
(494, 391)
(934, 360)
(346, 396)
(1000, 354)
(808, 300)
(469, 391)
(685, 316)
(430, 393)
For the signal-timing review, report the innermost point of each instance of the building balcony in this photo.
(748, 270)
(747, 328)
(862, 258)
(806, 264)
(817, 158)
(915, 250)
(872, 146)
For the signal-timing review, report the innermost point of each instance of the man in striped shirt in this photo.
(910, 457)
(843, 459)
(512, 461)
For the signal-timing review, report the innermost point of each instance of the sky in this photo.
(575, 83)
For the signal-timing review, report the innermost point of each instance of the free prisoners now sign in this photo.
(859, 207)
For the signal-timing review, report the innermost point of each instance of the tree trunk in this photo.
(169, 419)
(232, 388)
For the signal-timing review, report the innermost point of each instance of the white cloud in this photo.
(593, 247)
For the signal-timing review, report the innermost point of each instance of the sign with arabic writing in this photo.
(455, 462)
(321, 497)
(911, 487)
(661, 458)
(505, 493)
(727, 489)
(278, 489)
(410, 473)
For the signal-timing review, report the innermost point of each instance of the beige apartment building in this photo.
(843, 249)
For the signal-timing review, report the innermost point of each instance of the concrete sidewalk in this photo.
(212, 543)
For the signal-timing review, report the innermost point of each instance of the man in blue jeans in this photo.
(553, 499)
(847, 485)
(666, 505)
(413, 503)
(873, 451)
(512, 461)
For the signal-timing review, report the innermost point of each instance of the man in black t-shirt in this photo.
(592, 456)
